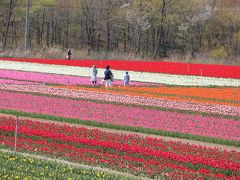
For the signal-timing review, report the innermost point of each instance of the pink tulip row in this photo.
(126, 99)
(57, 79)
(14, 82)
(123, 115)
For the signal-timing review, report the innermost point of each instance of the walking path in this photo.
(191, 142)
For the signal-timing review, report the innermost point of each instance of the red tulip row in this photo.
(122, 152)
(210, 70)
(135, 140)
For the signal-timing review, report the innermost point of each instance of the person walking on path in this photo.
(94, 74)
(126, 79)
(108, 77)
(69, 54)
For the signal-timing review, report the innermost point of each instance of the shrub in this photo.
(219, 53)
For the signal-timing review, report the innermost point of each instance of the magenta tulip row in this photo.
(123, 115)
(57, 79)
(126, 99)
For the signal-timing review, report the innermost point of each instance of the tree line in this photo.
(156, 28)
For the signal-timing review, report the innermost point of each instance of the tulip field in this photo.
(63, 116)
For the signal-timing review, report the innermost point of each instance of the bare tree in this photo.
(10, 12)
(192, 29)
(139, 19)
(161, 29)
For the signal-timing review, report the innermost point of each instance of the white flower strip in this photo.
(135, 76)
(126, 99)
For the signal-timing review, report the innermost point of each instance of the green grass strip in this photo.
(125, 128)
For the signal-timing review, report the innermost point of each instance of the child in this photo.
(126, 79)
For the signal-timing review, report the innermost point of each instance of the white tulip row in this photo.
(168, 79)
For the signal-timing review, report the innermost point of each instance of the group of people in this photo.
(108, 77)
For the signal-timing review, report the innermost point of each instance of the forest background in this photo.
(195, 31)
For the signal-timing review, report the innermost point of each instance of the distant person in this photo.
(94, 74)
(126, 79)
(108, 77)
(69, 54)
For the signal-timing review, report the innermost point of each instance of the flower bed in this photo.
(215, 94)
(205, 114)
(227, 129)
(118, 74)
(6, 82)
(128, 98)
(56, 78)
(210, 70)
(130, 153)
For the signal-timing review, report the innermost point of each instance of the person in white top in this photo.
(94, 73)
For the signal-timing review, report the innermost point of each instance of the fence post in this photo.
(235, 90)
(16, 133)
(201, 77)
